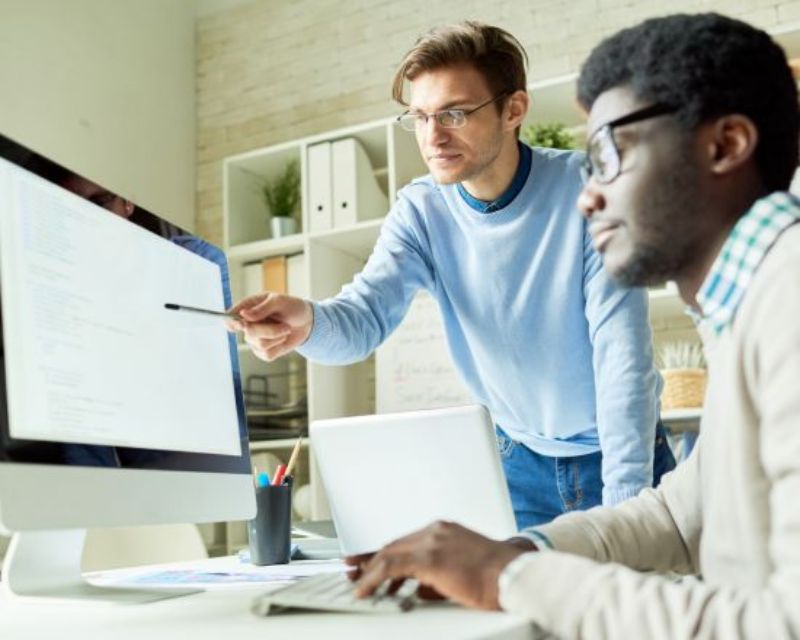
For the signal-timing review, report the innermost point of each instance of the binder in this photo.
(252, 282)
(319, 187)
(356, 194)
(277, 274)
(273, 276)
(297, 276)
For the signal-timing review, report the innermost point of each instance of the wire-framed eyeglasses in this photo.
(603, 161)
(447, 118)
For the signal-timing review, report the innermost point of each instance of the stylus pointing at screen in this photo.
(207, 312)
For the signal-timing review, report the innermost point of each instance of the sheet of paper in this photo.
(215, 573)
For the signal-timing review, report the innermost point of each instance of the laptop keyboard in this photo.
(334, 592)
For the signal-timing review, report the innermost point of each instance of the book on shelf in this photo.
(273, 274)
(278, 274)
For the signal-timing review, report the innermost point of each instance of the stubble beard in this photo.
(486, 157)
(667, 230)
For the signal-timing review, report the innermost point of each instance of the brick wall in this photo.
(275, 70)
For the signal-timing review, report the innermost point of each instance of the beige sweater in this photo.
(731, 512)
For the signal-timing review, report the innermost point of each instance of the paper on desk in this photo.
(206, 574)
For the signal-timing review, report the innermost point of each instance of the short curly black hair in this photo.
(708, 65)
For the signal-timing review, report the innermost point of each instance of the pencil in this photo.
(208, 312)
(293, 458)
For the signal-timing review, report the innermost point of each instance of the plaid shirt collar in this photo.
(744, 250)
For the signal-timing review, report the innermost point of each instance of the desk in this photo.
(223, 613)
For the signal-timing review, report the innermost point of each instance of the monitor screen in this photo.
(95, 370)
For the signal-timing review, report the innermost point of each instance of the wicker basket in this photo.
(683, 388)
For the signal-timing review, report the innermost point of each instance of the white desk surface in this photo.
(223, 613)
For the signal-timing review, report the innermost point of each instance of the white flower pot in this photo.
(283, 226)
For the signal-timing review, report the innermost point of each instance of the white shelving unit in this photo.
(332, 257)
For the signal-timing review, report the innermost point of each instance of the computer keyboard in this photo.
(334, 592)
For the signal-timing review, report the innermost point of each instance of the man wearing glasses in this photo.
(560, 355)
(695, 140)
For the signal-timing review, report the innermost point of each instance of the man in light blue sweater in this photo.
(541, 336)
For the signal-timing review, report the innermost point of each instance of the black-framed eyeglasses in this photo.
(603, 161)
(447, 118)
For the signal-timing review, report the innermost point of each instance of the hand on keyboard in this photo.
(335, 592)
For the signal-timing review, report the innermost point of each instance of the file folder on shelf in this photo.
(342, 189)
(278, 274)
(319, 187)
(356, 194)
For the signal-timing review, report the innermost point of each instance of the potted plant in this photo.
(282, 197)
(553, 135)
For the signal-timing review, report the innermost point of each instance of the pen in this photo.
(262, 480)
(279, 473)
(208, 312)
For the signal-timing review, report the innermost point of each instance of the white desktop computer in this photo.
(114, 410)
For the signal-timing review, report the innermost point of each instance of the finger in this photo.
(395, 585)
(359, 559)
(262, 349)
(268, 330)
(354, 573)
(278, 350)
(259, 344)
(262, 308)
(265, 345)
(269, 350)
(285, 345)
(382, 567)
(428, 593)
(247, 303)
(235, 325)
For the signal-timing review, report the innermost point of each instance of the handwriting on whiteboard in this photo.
(413, 368)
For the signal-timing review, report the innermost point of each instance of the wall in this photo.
(269, 70)
(107, 88)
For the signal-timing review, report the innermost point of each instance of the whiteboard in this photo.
(413, 367)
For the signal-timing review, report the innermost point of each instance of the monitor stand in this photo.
(47, 564)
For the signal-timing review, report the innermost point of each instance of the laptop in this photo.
(389, 475)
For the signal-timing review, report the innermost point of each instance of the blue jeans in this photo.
(542, 487)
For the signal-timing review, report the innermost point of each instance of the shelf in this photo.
(682, 415)
(244, 210)
(553, 100)
(283, 443)
(290, 411)
(260, 249)
(357, 240)
(678, 420)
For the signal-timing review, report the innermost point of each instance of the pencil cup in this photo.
(269, 532)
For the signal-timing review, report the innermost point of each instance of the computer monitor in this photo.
(114, 410)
